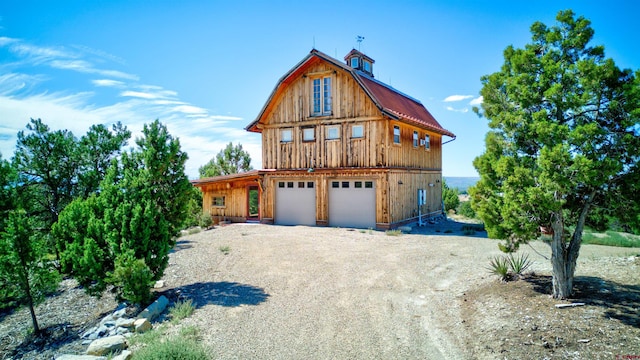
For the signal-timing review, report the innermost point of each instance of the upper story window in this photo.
(286, 135)
(333, 132)
(415, 139)
(357, 131)
(427, 142)
(354, 62)
(322, 96)
(308, 134)
(396, 134)
(366, 66)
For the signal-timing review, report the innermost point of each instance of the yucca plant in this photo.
(519, 264)
(499, 265)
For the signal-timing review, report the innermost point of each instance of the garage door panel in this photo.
(352, 203)
(295, 202)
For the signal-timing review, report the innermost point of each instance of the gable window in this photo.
(218, 201)
(333, 132)
(308, 134)
(322, 96)
(366, 66)
(427, 142)
(286, 135)
(354, 62)
(396, 134)
(357, 131)
(415, 139)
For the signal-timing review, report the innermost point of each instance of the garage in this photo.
(295, 202)
(352, 203)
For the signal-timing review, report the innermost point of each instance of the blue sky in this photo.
(205, 68)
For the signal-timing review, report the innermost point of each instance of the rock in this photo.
(156, 308)
(119, 314)
(107, 345)
(142, 325)
(122, 330)
(80, 357)
(159, 284)
(125, 322)
(124, 355)
(405, 229)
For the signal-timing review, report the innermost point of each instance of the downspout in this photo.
(448, 141)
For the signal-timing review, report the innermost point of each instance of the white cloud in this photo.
(453, 98)
(107, 83)
(460, 110)
(86, 67)
(476, 101)
(6, 40)
(138, 94)
(190, 109)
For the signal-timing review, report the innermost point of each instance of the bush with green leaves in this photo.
(182, 310)
(450, 197)
(465, 209)
(129, 226)
(508, 267)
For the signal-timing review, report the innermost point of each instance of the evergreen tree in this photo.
(450, 196)
(231, 160)
(564, 142)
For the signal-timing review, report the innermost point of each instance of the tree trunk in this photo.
(562, 260)
(36, 328)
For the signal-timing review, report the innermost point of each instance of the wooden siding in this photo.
(403, 194)
(235, 193)
(406, 155)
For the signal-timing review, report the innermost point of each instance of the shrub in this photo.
(174, 348)
(393, 232)
(182, 310)
(499, 265)
(205, 220)
(466, 210)
(225, 249)
(133, 277)
(519, 264)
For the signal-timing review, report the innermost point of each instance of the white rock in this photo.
(159, 284)
(124, 355)
(156, 308)
(119, 314)
(405, 229)
(107, 345)
(80, 357)
(125, 322)
(142, 325)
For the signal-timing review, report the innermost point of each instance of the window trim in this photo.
(361, 131)
(397, 127)
(416, 139)
(313, 133)
(217, 205)
(331, 127)
(282, 132)
(427, 142)
(321, 96)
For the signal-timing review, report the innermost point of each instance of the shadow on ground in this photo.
(51, 338)
(181, 245)
(621, 301)
(228, 294)
(450, 227)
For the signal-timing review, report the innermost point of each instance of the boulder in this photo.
(405, 229)
(159, 284)
(142, 325)
(80, 357)
(124, 355)
(125, 322)
(156, 308)
(107, 345)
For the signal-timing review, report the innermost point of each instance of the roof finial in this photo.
(359, 39)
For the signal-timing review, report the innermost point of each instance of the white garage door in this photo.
(352, 203)
(295, 202)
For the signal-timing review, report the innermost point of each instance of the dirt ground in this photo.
(317, 293)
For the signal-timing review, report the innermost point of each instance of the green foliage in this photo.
(182, 310)
(231, 160)
(127, 229)
(450, 197)
(395, 232)
(179, 347)
(508, 267)
(23, 263)
(471, 229)
(611, 238)
(466, 210)
(225, 249)
(564, 141)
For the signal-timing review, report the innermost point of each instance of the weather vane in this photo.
(359, 40)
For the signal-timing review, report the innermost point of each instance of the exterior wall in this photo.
(235, 193)
(403, 195)
(406, 155)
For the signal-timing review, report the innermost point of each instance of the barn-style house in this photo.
(339, 148)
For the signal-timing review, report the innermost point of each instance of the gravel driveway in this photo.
(328, 293)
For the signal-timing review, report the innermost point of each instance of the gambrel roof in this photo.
(391, 102)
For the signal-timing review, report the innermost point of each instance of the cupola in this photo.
(360, 61)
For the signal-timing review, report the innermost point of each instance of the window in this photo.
(357, 131)
(368, 184)
(281, 184)
(308, 134)
(345, 184)
(427, 143)
(322, 96)
(310, 184)
(396, 134)
(218, 201)
(415, 139)
(333, 132)
(354, 62)
(357, 184)
(290, 184)
(366, 66)
(301, 184)
(286, 135)
(335, 184)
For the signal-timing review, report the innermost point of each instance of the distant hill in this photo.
(461, 183)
